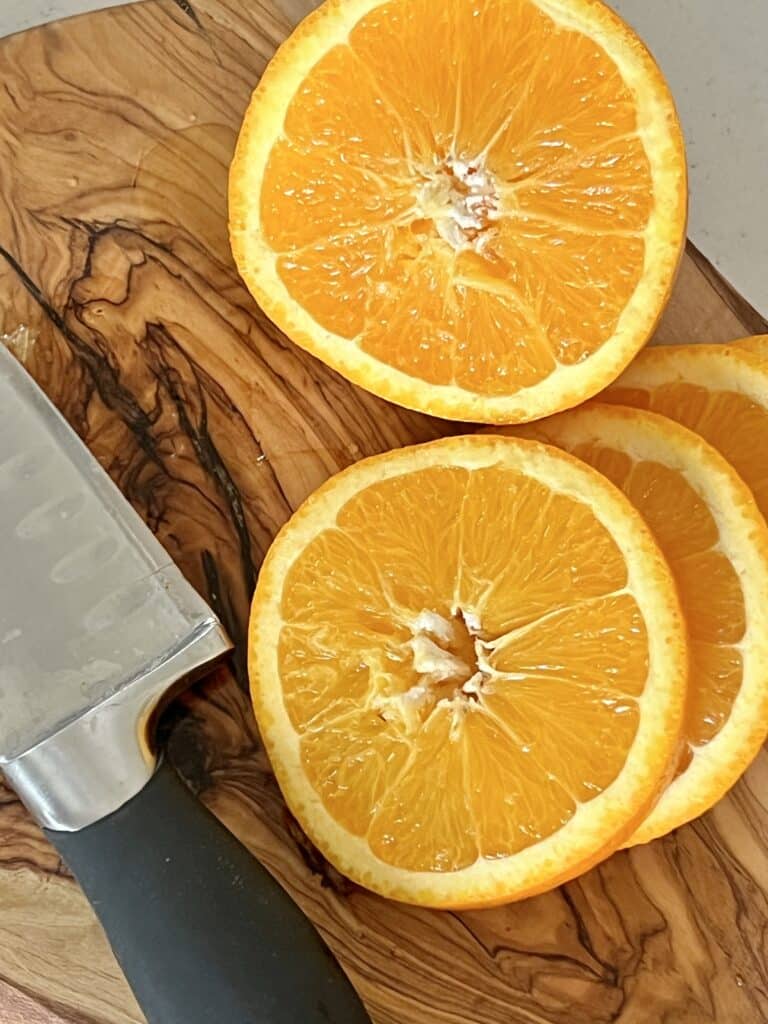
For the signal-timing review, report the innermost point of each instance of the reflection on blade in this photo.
(89, 600)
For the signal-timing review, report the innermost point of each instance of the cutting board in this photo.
(116, 130)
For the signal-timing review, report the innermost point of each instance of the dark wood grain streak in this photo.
(189, 10)
(119, 128)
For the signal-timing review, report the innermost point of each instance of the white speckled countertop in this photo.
(716, 59)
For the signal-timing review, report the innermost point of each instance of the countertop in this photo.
(715, 57)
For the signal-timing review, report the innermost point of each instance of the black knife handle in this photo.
(202, 931)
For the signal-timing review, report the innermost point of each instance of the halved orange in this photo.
(715, 540)
(468, 664)
(719, 391)
(474, 208)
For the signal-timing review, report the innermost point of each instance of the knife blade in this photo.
(96, 621)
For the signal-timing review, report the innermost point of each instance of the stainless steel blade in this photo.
(95, 619)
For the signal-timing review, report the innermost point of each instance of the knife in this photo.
(97, 625)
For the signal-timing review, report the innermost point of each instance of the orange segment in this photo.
(353, 762)
(722, 666)
(488, 234)
(441, 639)
(597, 647)
(513, 800)
(593, 275)
(543, 731)
(716, 543)
(583, 560)
(413, 830)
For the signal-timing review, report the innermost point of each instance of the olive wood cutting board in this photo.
(116, 131)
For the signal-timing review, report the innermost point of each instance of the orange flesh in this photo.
(526, 129)
(688, 536)
(518, 595)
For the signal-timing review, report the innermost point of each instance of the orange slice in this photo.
(720, 391)
(468, 665)
(715, 540)
(474, 208)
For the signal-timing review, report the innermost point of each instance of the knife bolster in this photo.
(96, 763)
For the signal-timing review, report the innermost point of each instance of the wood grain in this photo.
(20, 1009)
(116, 130)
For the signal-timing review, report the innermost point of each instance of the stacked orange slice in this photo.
(455, 648)
(710, 529)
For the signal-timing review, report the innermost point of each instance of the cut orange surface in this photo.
(468, 664)
(719, 391)
(715, 540)
(474, 208)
